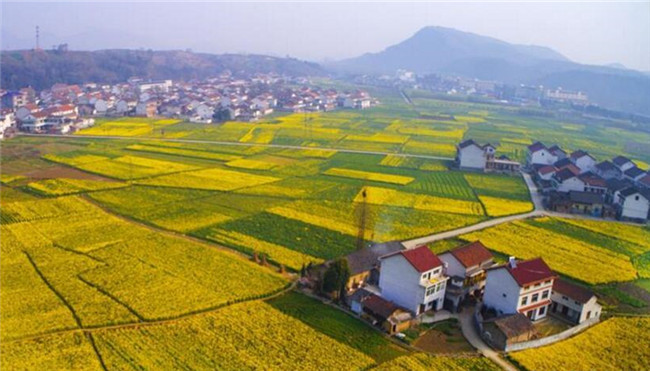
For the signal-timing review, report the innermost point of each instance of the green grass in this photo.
(496, 185)
(296, 235)
(338, 325)
(443, 184)
(643, 283)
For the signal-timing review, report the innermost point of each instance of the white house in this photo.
(546, 172)
(520, 287)
(566, 181)
(465, 266)
(471, 155)
(413, 279)
(558, 152)
(584, 161)
(574, 302)
(33, 122)
(538, 154)
(623, 163)
(633, 204)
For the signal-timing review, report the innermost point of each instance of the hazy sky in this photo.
(586, 32)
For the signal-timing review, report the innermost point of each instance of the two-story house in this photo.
(413, 279)
(472, 156)
(566, 181)
(623, 163)
(574, 303)
(538, 154)
(583, 160)
(520, 287)
(465, 266)
(633, 204)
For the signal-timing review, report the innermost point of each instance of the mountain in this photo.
(449, 51)
(42, 69)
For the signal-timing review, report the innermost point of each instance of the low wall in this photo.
(553, 338)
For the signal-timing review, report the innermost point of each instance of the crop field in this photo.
(425, 362)
(615, 344)
(131, 126)
(573, 257)
(375, 177)
(212, 179)
(391, 197)
(502, 206)
(63, 186)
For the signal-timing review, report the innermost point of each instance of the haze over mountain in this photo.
(42, 69)
(449, 51)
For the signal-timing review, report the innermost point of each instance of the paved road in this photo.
(226, 143)
(470, 332)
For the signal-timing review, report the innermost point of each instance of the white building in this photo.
(584, 161)
(162, 86)
(471, 155)
(574, 302)
(538, 154)
(633, 204)
(566, 181)
(413, 279)
(520, 287)
(465, 266)
(623, 163)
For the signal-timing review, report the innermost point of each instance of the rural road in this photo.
(226, 143)
(473, 337)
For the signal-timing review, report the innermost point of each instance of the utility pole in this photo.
(38, 46)
(361, 211)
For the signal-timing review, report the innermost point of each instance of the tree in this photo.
(302, 270)
(335, 278)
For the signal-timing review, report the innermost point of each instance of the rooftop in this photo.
(530, 271)
(573, 291)
(472, 254)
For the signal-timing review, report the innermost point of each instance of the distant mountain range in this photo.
(449, 51)
(42, 69)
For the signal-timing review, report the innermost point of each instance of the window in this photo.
(436, 271)
(430, 290)
(541, 311)
(526, 287)
(577, 303)
(547, 282)
(524, 300)
(564, 298)
(636, 198)
(588, 314)
(534, 298)
(545, 294)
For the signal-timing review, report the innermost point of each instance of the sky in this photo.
(585, 32)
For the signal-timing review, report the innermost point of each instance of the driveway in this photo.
(471, 334)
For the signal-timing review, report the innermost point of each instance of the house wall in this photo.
(591, 308)
(542, 157)
(501, 291)
(399, 283)
(585, 163)
(572, 184)
(626, 166)
(635, 207)
(472, 157)
(454, 268)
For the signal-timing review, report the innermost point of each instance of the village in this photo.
(507, 303)
(64, 109)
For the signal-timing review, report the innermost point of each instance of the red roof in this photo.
(575, 292)
(472, 254)
(546, 169)
(530, 271)
(421, 258)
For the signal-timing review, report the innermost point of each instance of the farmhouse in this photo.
(623, 163)
(509, 329)
(520, 287)
(573, 303)
(634, 174)
(577, 202)
(413, 279)
(473, 156)
(607, 170)
(364, 263)
(633, 204)
(583, 160)
(465, 267)
(566, 181)
(538, 154)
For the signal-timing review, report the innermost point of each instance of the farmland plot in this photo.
(386, 196)
(210, 179)
(63, 186)
(366, 175)
(425, 362)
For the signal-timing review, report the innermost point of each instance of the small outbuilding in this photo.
(391, 317)
(503, 331)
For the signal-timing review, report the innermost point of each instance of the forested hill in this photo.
(42, 69)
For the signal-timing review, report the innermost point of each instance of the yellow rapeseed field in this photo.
(280, 254)
(575, 258)
(379, 137)
(616, 344)
(427, 362)
(184, 152)
(386, 196)
(367, 175)
(502, 206)
(63, 186)
(238, 337)
(72, 351)
(631, 233)
(245, 163)
(211, 179)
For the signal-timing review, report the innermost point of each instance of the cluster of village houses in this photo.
(392, 287)
(64, 108)
(571, 183)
